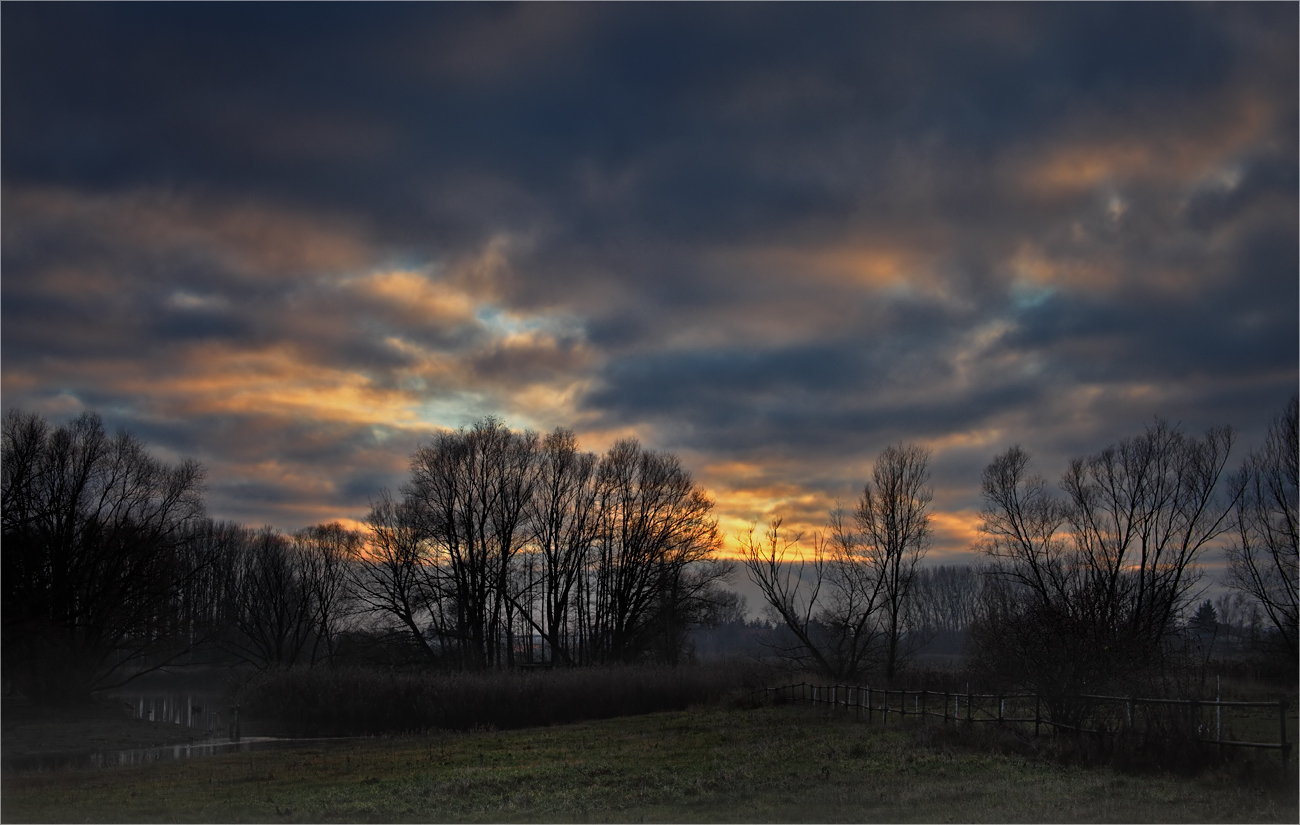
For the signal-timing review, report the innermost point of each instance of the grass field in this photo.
(783, 764)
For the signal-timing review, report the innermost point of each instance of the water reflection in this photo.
(193, 709)
(163, 753)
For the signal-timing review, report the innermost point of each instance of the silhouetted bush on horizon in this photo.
(363, 701)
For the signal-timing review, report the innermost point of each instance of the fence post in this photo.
(1194, 712)
(1002, 703)
(1218, 714)
(1281, 732)
(970, 706)
(924, 693)
(945, 707)
(1038, 700)
(869, 707)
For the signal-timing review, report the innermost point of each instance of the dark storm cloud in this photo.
(294, 238)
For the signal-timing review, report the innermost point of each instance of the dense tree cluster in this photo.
(503, 547)
(507, 548)
(98, 560)
(1092, 589)
(502, 536)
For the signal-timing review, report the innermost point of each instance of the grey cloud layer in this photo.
(752, 233)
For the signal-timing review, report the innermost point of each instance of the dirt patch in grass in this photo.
(102, 725)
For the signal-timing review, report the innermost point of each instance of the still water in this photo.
(163, 753)
(198, 709)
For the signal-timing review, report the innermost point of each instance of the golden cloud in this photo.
(1167, 151)
(414, 296)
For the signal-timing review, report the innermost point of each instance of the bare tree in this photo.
(620, 550)
(894, 525)
(325, 551)
(943, 600)
(1265, 553)
(776, 567)
(1085, 591)
(827, 601)
(393, 577)
(564, 519)
(469, 489)
(274, 618)
(96, 543)
(655, 542)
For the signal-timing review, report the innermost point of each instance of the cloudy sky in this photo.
(294, 240)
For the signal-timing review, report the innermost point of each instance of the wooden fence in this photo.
(1002, 709)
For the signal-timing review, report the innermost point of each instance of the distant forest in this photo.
(508, 549)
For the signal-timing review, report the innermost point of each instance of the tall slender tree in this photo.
(893, 522)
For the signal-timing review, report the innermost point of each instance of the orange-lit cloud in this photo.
(1161, 152)
(815, 231)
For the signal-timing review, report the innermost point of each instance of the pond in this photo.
(162, 753)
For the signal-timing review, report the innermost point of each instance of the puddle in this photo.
(57, 761)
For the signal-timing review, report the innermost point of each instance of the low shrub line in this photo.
(367, 702)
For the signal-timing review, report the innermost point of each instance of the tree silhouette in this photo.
(98, 541)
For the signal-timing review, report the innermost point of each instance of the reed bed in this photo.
(368, 702)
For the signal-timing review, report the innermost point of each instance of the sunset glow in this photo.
(294, 242)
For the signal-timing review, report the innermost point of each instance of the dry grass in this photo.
(785, 764)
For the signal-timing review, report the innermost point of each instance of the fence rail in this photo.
(877, 701)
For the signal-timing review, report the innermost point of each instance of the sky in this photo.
(292, 241)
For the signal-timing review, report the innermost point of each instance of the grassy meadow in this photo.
(720, 764)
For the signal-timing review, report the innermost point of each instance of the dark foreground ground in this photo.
(27, 728)
(782, 764)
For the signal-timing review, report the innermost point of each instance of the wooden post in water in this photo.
(1281, 734)
(233, 731)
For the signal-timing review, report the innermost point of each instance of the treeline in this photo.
(502, 548)
(506, 548)
(1091, 586)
